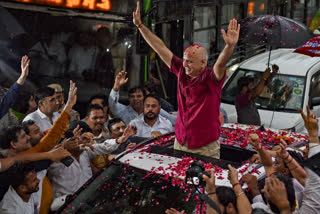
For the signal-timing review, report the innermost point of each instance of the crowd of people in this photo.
(48, 151)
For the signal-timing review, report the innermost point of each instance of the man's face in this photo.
(60, 98)
(99, 102)
(31, 183)
(151, 108)
(192, 62)
(96, 120)
(136, 100)
(117, 130)
(35, 134)
(50, 105)
(23, 142)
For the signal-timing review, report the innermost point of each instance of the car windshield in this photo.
(282, 93)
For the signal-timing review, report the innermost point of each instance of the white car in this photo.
(296, 84)
(150, 178)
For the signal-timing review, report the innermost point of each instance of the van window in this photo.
(283, 93)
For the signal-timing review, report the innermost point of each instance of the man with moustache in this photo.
(199, 89)
(95, 119)
(151, 124)
(135, 107)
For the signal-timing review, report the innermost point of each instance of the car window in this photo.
(315, 86)
(282, 93)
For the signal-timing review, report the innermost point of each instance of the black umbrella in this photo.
(275, 31)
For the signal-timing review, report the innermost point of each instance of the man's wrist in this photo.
(283, 205)
(21, 80)
(116, 87)
(313, 140)
(229, 46)
(120, 140)
(139, 26)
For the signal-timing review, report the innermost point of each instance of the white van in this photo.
(296, 84)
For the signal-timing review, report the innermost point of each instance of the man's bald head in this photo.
(195, 58)
(197, 50)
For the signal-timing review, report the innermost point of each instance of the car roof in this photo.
(288, 62)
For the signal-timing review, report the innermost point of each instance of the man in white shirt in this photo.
(101, 100)
(151, 123)
(24, 194)
(67, 180)
(48, 105)
(135, 107)
(95, 119)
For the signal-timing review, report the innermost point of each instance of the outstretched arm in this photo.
(155, 42)
(54, 155)
(12, 95)
(230, 38)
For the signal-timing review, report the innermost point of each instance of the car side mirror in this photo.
(315, 101)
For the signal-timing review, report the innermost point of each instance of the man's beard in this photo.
(154, 116)
(30, 191)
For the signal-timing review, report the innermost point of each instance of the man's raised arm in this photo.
(155, 42)
(230, 38)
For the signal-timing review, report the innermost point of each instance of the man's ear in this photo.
(204, 63)
(13, 145)
(22, 188)
(40, 103)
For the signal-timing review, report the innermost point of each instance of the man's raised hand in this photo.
(25, 62)
(136, 15)
(72, 97)
(311, 124)
(254, 141)
(232, 35)
(128, 132)
(120, 80)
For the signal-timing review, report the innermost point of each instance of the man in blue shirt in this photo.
(10, 97)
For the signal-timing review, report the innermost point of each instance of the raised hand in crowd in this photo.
(58, 154)
(211, 190)
(85, 141)
(294, 167)
(128, 132)
(282, 153)
(311, 124)
(120, 80)
(71, 144)
(233, 175)
(25, 62)
(137, 16)
(72, 97)
(77, 131)
(243, 204)
(264, 155)
(276, 193)
(252, 183)
(155, 134)
(174, 211)
(254, 141)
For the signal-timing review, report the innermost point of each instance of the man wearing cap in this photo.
(60, 99)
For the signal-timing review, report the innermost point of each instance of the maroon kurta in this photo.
(198, 106)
